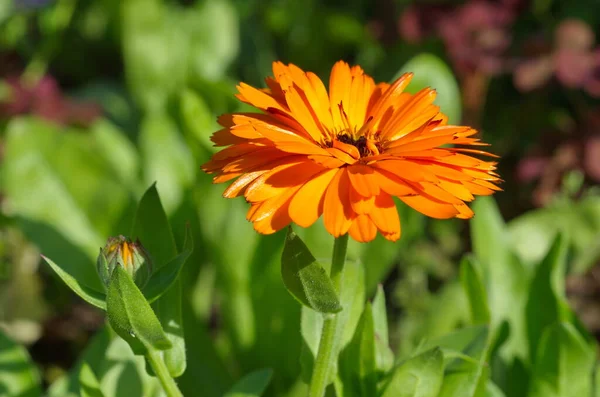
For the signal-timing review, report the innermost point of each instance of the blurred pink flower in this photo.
(46, 100)
(476, 34)
(573, 61)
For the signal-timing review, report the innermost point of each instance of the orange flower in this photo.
(345, 153)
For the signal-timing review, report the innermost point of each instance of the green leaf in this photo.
(358, 362)
(564, 364)
(472, 283)
(384, 355)
(88, 383)
(305, 278)
(431, 71)
(166, 276)
(131, 317)
(420, 376)
(465, 378)
(251, 385)
(152, 227)
(532, 233)
(503, 274)
(18, 376)
(547, 291)
(89, 295)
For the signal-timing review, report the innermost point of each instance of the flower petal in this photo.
(337, 211)
(306, 205)
(363, 229)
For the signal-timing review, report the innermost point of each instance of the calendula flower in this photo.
(345, 153)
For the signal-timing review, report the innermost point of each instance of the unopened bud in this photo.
(131, 256)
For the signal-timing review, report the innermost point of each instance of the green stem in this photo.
(162, 373)
(326, 357)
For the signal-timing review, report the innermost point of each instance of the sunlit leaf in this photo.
(384, 355)
(131, 317)
(420, 376)
(358, 361)
(91, 296)
(89, 385)
(431, 71)
(470, 278)
(564, 364)
(152, 227)
(305, 278)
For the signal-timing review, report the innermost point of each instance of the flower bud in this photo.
(132, 256)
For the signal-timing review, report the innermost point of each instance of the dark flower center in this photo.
(361, 144)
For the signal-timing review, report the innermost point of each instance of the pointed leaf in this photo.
(465, 378)
(152, 227)
(251, 385)
(89, 295)
(305, 278)
(166, 276)
(88, 383)
(131, 317)
(384, 355)
(358, 361)
(420, 376)
(564, 364)
(547, 291)
(472, 283)
(503, 274)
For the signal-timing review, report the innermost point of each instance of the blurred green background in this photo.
(100, 98)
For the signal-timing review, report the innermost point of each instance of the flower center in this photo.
(366, 147)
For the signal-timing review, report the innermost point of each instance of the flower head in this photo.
(344, 153)
(132, 256)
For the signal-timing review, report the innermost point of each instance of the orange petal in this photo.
(457, 189)
(239, 185)
(278, 220)
(464, 212)
(337, 211)
(307, 204)
(363, 229)
(361, 177)
(391, 184)
(340, 82)
(430, 207)
(385, 216)
(280, 178)
(360, 204)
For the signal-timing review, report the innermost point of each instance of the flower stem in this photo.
(326, 356)
(162, 373)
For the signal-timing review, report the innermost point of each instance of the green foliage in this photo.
(90, 387)
(18, 376)
(251, 385)
(131, 316)
(414, 319)
(431, 71)
(305, 278)
(420, 376)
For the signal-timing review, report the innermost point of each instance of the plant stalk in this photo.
(327, 354)
(162, 373)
